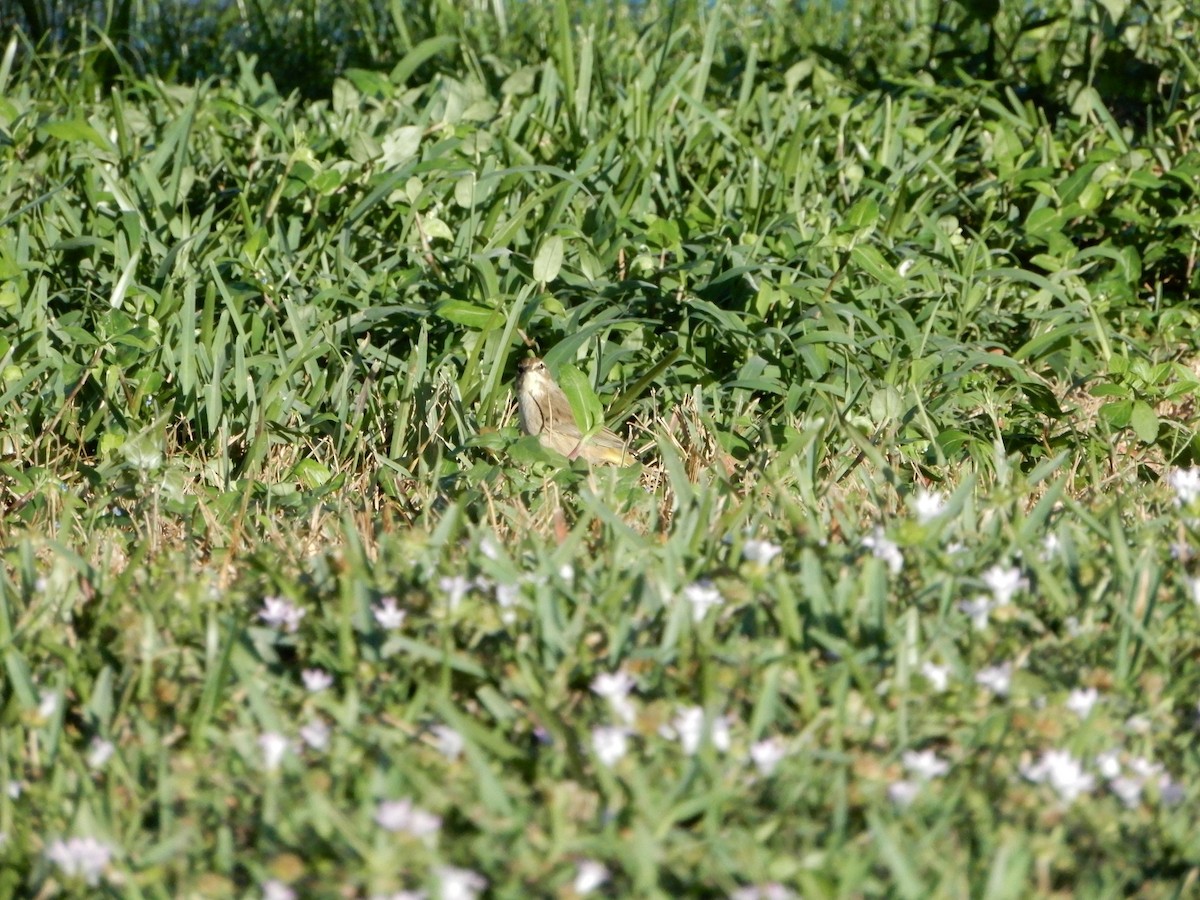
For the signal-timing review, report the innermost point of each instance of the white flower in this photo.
(455, 587)
(1081, 700)
(47, 704)
(1144, 768)
(274, 747)
(937, 676)
(924, 765)
(1061, 771)
(1186, 484)
(977, 611)
(761, 552)
(316, 735)
(903, 793)
(489, 548)
(1109, 763)
(770, 891)
(81, 857)
(459, 884)
(928, 505)
(566, 572)
(1127, 789)
(280, 613)
(274, 889)
(1004, 582)
(388, 615)
(316, 680)
(402, 816)
(589, 876)
(99, 752)
(614, 685)
(1194, 585)
(449, 742)
(1138, 724)
(997, 679)
(507, 596)
(609, 744)
(615, 688)
(13, 789)
(767, 754)
(884, 548)
(688, 727)
(703, 595)
(1051, 545)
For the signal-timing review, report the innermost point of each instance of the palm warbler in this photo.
(543, 409)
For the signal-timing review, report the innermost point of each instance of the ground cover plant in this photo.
(896, 303)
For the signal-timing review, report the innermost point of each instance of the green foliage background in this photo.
(265, 274)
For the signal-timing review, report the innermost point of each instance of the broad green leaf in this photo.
(585, 405)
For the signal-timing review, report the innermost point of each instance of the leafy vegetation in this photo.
(897, 306)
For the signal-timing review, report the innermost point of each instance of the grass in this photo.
(901, 603)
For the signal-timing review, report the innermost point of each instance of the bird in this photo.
(543, 410)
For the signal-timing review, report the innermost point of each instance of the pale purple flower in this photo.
(761, 552)
(882, 547)
(937, 676)
(402, 816)
(1186, 484)
(459, 884)
(609, 744)
(589, 875)
(281, 614)
(928, 505)
(1170, 791)
(274, 889)
(100, 752)
(1063, 772)
(316, 735)
(768, 754)
(274, 747)
(903, 793)
(1081, 700)
(703, 595)
(316, 680)
(388, 615)
(977, 611)
(997, 679)
(1004, 582)
(449, 742)
(924, 765)
(81, 857)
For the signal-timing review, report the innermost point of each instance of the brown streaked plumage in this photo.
(543, 409)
